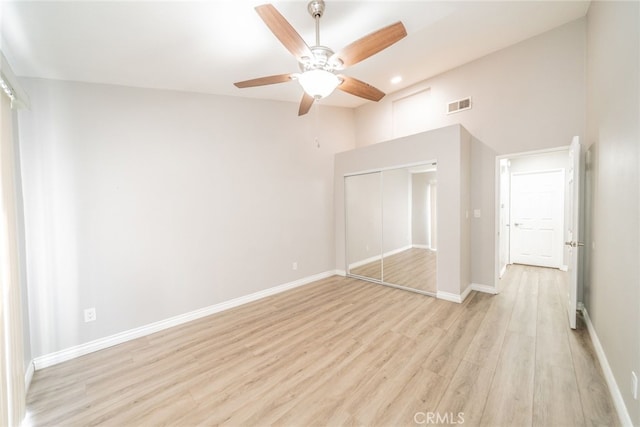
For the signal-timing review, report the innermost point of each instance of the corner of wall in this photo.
(465, 210)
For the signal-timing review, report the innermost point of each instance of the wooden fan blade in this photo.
(371, 44)
(360, 88)
(305, 104)
(281, 28)
(261, 81)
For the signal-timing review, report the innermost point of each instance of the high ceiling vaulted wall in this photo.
(206, 46)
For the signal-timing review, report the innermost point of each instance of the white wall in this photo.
(612, 293)
(146, 204)
(557, 159)
(443, 145)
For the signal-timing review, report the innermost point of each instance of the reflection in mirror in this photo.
(391, 227)
(363, 204)
(409, 227)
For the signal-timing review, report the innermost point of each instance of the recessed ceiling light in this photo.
(397, 79)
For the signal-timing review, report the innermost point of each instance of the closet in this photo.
(391, 227)
(390, 199)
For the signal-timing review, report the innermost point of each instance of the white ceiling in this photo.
(205, 46)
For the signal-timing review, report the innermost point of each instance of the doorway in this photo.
(532, 209)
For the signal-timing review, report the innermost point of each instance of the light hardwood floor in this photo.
(346, 352)
(414, 268)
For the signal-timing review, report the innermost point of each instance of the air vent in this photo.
(459, 105)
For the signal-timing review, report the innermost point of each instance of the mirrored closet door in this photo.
(392, 227)
(363, 206)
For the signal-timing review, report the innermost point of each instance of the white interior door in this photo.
(572, 236)
(537, 218)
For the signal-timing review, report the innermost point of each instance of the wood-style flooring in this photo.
(413, 268)
(346, 352)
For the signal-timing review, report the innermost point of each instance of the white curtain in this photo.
(12, 386)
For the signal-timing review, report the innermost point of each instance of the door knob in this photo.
(517, 224)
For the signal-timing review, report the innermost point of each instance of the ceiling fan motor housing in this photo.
(323, 58)
(316, 8)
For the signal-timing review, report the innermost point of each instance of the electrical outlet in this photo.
(294, 265)
(89, 315)
(634, 385)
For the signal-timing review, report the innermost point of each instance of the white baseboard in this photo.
(341, 273)
(483, 288)
(28, 376)
(502, 271)
(378, 257)
(364, 262)
(397, 251)
(427, 247)
(618, 401)
(102, 343)
(465, 293)
(447, 296)
(564, 268)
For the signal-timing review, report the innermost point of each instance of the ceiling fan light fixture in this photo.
(319, 83)
(319, 64)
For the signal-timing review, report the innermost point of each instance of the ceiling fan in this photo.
(319, 64)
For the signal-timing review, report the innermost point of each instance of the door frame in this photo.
(497, 202)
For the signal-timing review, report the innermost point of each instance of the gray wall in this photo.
(483, 229)
(421, 184)
(612, 293)
(525, 97)
(465, 208)
(147, 204)
(363, 210)
(22, 252)
(396, 227)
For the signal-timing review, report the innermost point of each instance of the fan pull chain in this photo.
(317, 114)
